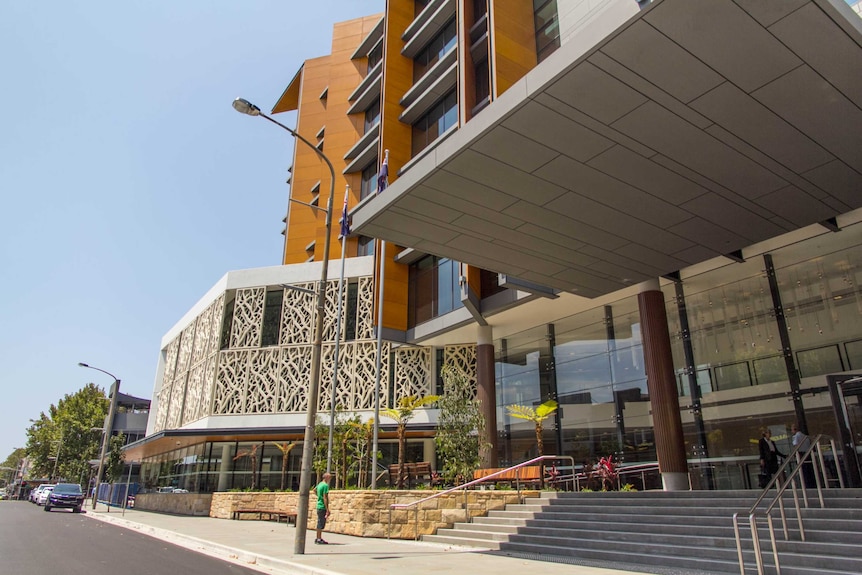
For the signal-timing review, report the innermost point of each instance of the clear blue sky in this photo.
(129, 184)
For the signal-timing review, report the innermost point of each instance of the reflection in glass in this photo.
(819, 361)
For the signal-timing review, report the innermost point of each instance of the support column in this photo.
(664, 401)
(486, 393)
(224, 468)
(793, 376)
(700, 450)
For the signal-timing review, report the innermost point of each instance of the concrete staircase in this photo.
(655, 531)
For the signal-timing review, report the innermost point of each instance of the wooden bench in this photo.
(414, 473)
(529, 475)
(290, 516)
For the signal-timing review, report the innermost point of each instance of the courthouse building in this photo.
(649, 212)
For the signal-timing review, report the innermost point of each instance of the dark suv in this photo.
(67, 495)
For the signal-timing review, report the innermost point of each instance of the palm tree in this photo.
(403, 413)
(536, 415)
(251, 453)
(285, 449)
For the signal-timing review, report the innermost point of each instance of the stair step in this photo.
(621, 556)
(671, 530)
(466, 542)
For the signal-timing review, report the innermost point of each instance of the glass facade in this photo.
(365, 246)
(223, 466)
(733, 380)
(232, 465)
(432, 125)
(368, 185)
(434, 289)
(372, 116)
(547, 22)
(375, 56)
(436, 49)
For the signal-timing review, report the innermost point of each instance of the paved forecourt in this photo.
(268, 547)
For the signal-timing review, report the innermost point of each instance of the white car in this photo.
(42, 497)
(34, 493)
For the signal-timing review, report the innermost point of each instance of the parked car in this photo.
(171, 490)
(31, 497)
(42, 496)
(65, 495)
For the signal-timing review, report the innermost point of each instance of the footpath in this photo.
(268, 547)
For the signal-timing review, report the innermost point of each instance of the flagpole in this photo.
(382, 183)
(345, 231)
(375, 447)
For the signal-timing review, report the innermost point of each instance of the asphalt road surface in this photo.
(60, 542)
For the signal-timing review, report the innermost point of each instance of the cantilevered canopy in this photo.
(648, 142)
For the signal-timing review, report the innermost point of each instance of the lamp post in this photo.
(106, 432)
(57, 457)
(246, 107)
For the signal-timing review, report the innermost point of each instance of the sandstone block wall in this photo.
(367, 513)
(177, 503)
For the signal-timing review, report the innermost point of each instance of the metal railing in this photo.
(638, 469)
(812, 456)
(464, 487)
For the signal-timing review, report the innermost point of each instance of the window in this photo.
(489, 283)
(436, 48)
(365, 246)
(441, 117)
(434, 289)
(272, 318)
(375, 56)
(420, 5)
(372, 115)
(350, 313)
(547, 24)
(368, 185)
(480, 8)
(227, 323)
(483, 84)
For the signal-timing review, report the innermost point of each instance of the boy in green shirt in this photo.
(322, 490)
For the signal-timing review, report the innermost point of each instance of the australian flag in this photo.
(383, 176)
(345, 219)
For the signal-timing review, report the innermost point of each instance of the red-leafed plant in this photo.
(605, 473)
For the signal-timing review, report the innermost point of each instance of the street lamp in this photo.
(106, 432)
(246, 107)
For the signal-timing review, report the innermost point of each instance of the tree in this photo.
(285, 449)
(115, 462)
(460, 427)
(360, 449)
(68, 432)
(116, 458)
(402, 414)
(537, 416)
(10, 466)
(251, 453)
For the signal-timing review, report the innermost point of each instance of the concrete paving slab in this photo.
(267, 546)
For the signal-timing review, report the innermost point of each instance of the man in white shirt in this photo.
(800, 439)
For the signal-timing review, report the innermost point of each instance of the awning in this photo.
(650, 141)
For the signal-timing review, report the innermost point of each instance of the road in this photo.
(33, 542)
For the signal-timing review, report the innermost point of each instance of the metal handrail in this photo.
(469, 484)
(781, 487)
(641, 468)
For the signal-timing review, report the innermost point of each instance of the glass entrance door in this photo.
(846, 394)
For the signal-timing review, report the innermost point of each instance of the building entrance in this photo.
(846, 394)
